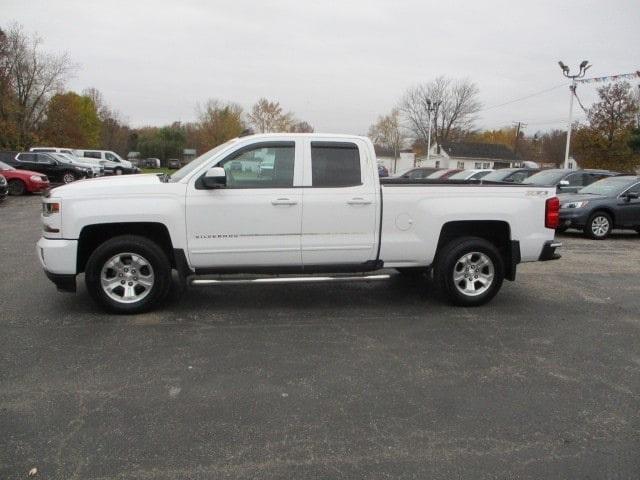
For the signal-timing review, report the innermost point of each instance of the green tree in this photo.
(71, 121)
(163, 143)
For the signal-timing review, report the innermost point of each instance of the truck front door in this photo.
(340, 213)
(254, 220)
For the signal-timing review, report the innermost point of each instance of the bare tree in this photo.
(301, 127)
(455, 101)
(266, 116)
(34, 76)
(387, 132)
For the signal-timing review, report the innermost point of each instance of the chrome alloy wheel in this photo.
(68, 178)
(127, 277)
(473, 274)
(600, 225)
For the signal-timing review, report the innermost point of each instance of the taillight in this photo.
(552, 213)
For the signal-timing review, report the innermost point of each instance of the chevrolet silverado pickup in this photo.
(279, 208)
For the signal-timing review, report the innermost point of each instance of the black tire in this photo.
(16, 187)
(150, 251)
(448, 262)
(599, 226)
(68, 177)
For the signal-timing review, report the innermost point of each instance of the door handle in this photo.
(359, 201)
(283, 201)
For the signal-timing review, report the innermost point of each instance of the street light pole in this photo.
(431, 107)
(584, 66)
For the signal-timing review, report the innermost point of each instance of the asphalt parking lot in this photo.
(375, 380)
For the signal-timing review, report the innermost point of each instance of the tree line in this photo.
(36, 109)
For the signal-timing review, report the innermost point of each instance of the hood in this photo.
(118, 185)
(20, 173)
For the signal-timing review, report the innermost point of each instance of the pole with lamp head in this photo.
(431, 108)
(584, 66)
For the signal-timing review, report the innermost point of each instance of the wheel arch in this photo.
(91, 236)
(497, 232)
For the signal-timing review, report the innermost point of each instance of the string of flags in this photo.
(614, 78)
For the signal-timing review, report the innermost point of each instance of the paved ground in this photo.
(351, 381)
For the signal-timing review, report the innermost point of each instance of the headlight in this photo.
(49, 208)
(35, 178)
(574, 204)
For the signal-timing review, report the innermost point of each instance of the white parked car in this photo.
(96, 169)
(111, 161)
(322, 209)
(472, 174)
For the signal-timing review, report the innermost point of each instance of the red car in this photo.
(23, 181)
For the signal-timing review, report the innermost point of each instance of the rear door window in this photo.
(27, 157)
(335, 164)
(92, 155)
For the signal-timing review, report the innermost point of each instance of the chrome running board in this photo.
(308, 279)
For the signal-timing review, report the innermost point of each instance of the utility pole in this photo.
(518, 125)
(584, 66)
(431, 107)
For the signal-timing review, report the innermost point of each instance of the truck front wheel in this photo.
(128, 274)
(469, 271)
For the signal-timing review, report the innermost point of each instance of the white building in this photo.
(406, 159)
(470, 155)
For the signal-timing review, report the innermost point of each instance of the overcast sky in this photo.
(336, 64)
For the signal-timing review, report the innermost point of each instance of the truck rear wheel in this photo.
(128, 274)
(469, 271)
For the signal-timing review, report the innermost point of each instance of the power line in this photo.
(523, 98)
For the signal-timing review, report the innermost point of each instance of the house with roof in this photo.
(386, 156)
(470, 155)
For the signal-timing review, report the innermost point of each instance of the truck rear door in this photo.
(340, 214)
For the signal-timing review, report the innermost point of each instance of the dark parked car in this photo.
(444, 173)
(173, 163)
(4, 188)
(383, 171)
(510, 175)
(567, 181)
(48, 165)
(419, 172)
(609, 203)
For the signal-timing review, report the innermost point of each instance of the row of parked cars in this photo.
(35, 170)
(593, 201)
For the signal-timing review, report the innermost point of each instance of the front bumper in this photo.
(549, 251)
(58, 259)
(573, 217)
(58, 256)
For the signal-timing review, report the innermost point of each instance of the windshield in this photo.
(546, 177)
(498, 175)
(201, 160)
(62, 157)
(437, 174)
(4, 166)
(463, 175)
(608, 187)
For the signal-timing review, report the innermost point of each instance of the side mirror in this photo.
(215, 177)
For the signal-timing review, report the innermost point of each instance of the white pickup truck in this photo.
(320, 214)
